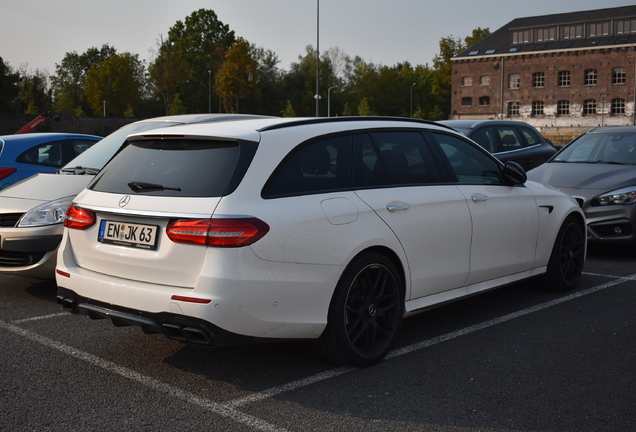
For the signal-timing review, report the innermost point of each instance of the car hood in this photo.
(39, 189)
(584, 176)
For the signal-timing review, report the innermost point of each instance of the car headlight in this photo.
(618, 197)
(49, 213)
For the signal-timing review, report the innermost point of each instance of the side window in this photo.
(510, 138)
(49, 154)
(486, 138)
(80, 146)
(368, 170)
(530, 136)
(469, 164)
(321, 166)
(406, 157)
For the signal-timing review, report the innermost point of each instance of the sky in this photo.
(37, 34)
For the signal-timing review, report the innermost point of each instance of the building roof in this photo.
(500, 42)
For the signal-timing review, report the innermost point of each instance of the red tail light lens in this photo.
(6, 172)
(217, 232)
(79, 218)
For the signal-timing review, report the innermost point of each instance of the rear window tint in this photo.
(179, 168)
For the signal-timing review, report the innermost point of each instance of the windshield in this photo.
(602, 147)
(97, 156)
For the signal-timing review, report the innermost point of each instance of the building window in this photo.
(590, 77)
(599, 29)
(514, 81)
(563, 108)
(522, 36)
(564, 79)
(626, 26)
(513, 109)
(618, 106)
(467, 81)
(538, 80)
(546, 34)
(589, 107)
(467, 101)
(537, 108)
(484, 80)
(484, 101)
(619, 76)
(572, 32)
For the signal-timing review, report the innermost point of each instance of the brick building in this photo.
(565, 70)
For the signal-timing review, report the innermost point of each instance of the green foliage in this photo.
(238, 77)
(177, 107)
(9, 88)
(364, 108)
(68, 82)
(190, 56)
(201, 60)
(31, 109)
(289, 110)
(34, 92)
(119, 80)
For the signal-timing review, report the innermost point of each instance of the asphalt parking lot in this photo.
(516, 359)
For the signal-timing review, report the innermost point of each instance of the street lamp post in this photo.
(317, 58)
(209, 91)
(411, 115)
(329, 100)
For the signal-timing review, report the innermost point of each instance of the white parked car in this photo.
(325, 229)
(32, 211)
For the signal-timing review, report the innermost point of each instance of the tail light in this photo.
(79, 218)
(6, 172)
(221, 232)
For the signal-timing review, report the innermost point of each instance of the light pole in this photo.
(209, 91)
(317, 58)
(413, 85)
(329, 100)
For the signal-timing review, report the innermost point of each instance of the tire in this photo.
(365, 312)
(568, 256)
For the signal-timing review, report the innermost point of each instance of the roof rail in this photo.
(318, 120)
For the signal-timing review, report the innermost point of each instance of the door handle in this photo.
(397, 205)
(476, 198)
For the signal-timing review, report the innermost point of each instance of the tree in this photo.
(442, 76)
(289, 110)
(9, 88)
(193, 52)
(300, 82)
(238, 77)
(34, 93)
(119, 81)
(67, 84)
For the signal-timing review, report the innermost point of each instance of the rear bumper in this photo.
(173, 326)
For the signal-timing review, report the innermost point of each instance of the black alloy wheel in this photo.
(365, 312)
(568, 256)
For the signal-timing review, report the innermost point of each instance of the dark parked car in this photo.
(599, 170)
(507, 140)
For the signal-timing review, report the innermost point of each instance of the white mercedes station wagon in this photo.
(326, 229)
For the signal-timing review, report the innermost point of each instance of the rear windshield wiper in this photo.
(138, 186)
(79, 170)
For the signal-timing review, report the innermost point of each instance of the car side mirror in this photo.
(514, 173)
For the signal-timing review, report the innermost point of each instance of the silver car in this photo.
(599, 170)
(32, 211)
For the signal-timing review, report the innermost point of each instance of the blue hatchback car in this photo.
(24, 155)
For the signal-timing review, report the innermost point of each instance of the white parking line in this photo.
(229, 409)
(223, 410)
(41, 317)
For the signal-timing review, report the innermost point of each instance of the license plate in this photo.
(128, 235)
